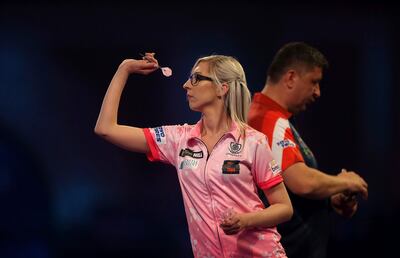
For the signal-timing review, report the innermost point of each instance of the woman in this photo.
(220, 161)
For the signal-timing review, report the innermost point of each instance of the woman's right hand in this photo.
(144, 66)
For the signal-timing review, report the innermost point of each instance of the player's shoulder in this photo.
(255, 136)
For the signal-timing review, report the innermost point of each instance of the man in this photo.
(292, 84)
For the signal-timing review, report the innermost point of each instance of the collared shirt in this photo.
(307, 233)
(216, 182)
(270, 118)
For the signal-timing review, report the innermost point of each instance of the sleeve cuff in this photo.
(271, 182)
(153, 154)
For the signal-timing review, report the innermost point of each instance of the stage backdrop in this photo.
(65, 192)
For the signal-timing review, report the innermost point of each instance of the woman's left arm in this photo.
(280, 210)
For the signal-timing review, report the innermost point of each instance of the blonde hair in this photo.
(226, 69)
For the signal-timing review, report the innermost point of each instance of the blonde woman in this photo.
(220, 161)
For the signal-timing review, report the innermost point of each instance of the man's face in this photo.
(305, 89)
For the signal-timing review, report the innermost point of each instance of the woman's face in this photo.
(201, 91)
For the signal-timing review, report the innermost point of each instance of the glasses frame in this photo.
(195, 78)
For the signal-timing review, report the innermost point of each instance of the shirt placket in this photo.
(209, 189)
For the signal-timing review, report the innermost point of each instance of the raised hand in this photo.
(167, 72)
(139, 66)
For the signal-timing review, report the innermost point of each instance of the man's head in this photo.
(298, 68)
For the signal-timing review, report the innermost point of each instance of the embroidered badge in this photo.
(235, 147)
(190, 153)
(231, 167)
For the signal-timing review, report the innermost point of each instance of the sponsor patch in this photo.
(231, 167)
(190, 153)
(286, 143)
(274, 166)
(189, 164)
(160, 135)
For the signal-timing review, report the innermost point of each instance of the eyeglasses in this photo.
(195, 78)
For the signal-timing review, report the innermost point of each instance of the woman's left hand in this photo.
(234, 224)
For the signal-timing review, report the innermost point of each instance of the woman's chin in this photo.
(194, 108)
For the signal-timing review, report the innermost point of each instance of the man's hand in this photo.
(356, 183)
(344, 204)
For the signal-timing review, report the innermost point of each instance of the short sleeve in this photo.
(283, 145)
(266, 171)
(163, 143)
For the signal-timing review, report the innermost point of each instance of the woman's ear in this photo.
(223, 90)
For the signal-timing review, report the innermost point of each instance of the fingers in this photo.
(230, 229)
(138, 66)
(346, 211)
(231, 225)
(348, 197)
(344, 204)
(150, 58)
(359, 185)
(231, 232)
(146, 67)
(356, 178)
(228, 222)
(364, 187)
(361, 182)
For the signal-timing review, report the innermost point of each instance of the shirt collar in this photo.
(272, 104)
(233, 131)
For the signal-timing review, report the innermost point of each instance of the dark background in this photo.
(64, 192)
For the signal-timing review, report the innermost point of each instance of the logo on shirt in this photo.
(189, 164)
(231, 167)
(235, 147)
(190, 153)
(286, 143)
(274, 167)
(160, 135)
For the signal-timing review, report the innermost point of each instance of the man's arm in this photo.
(314, 184)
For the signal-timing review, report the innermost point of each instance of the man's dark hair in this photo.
(295, 55)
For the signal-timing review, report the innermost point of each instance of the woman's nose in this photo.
(186, 85)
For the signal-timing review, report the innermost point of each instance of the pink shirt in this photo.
(215, 182)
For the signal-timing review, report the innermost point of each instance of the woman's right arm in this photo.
(127, 137)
